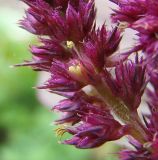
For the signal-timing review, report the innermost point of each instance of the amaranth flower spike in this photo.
(78, 55)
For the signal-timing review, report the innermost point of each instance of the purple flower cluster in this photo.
(102, 87)
(142, 16)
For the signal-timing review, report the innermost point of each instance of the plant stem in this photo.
(121, 111)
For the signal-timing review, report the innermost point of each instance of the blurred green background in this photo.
(26, 132)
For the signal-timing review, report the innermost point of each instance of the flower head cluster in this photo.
(102, 87)
(142, 16)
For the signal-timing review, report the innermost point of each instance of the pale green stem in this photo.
(121, 111)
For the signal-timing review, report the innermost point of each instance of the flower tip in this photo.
(53, 123)
(34, 87)
(15, 65)
(59, 142)
(12, 66)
